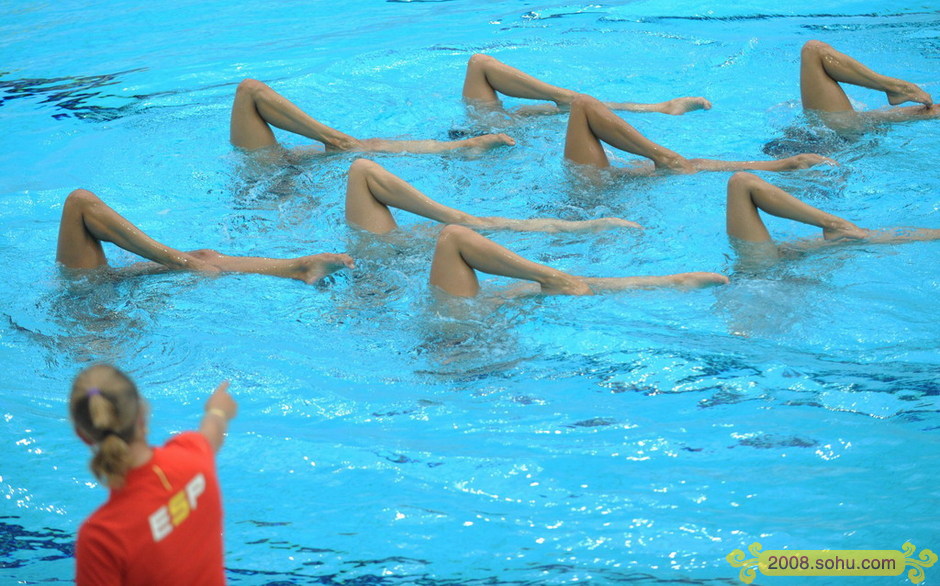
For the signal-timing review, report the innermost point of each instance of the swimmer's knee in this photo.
(814, 47)
(583, 102)
(361, 167)
(452, 233)
(250, 86)
(81, 197)
(742, 177)
(740, 183)
(479, 60)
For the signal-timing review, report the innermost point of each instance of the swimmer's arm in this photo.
(220, 409)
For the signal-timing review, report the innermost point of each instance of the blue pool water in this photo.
(386, 436)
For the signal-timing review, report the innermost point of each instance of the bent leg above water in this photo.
(590, 123)
(257, 106)
(748, 193)
(822, 68)
(371, 190)
(87, 221)
(460, 252)
(487, 75)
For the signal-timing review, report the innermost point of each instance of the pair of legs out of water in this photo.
(372, 190)
(591, 123)
(257, 108)
(87, 221)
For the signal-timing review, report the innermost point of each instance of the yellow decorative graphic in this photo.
(927, 559)
(748, 566)
(832, 562)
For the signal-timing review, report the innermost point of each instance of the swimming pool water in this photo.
(386, 436)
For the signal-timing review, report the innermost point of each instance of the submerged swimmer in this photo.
(87, 222)
(460, 252)
(134, 538)
(257, 107)
(748, 194)
(371, 190)
(487, 77)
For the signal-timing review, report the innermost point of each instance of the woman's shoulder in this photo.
(189, 441)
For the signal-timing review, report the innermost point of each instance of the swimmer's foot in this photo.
(900, 91)
(803, 161)
(697, 280)
(313, 268)
(679, 106)
(841, 229)
(488, 141)
(561, 283)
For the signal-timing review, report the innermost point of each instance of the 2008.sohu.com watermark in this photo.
(829, 562)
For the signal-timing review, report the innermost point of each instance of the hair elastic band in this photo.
(94, 391)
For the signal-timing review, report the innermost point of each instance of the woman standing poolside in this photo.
(162, 523)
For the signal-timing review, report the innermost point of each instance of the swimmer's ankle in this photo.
(350, 144)
(564, 99)
(188, 262)
(311, 269)
(559, 283)
(674, 163)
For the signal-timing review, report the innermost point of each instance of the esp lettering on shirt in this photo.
(177, 509)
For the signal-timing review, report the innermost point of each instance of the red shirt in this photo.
(163, 526)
